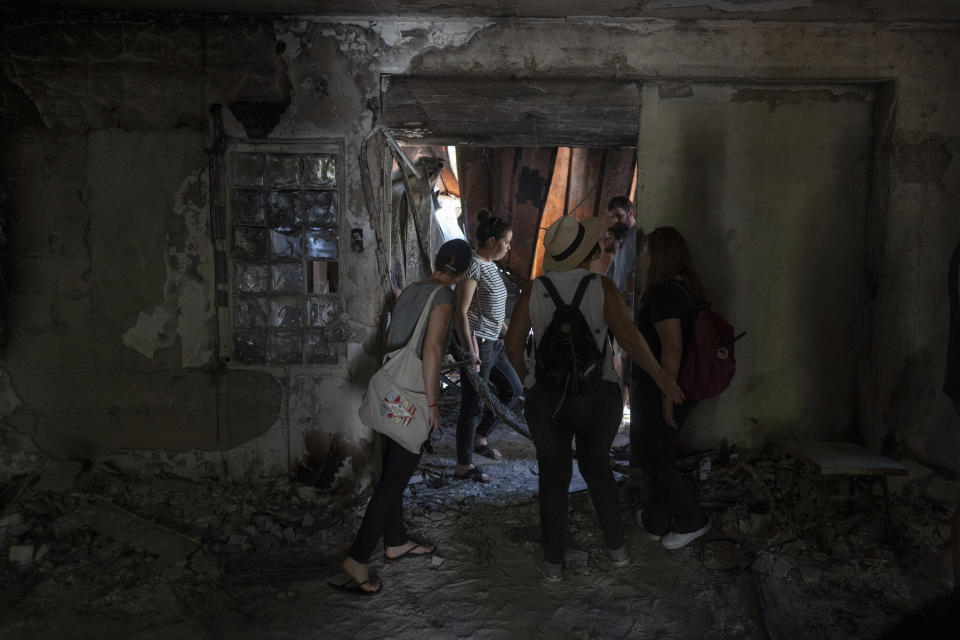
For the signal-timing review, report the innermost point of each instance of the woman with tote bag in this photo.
(419, 332)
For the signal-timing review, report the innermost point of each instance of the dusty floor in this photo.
(112, 556)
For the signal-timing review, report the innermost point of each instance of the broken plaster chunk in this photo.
(14, 525)
(21, 555)
(773, 564)
(307, 520)
(41, 553)
(810, 574)
(290, 534)
(307, 493)
(59, 478)
(262, 523)
(237, 539)
(436, 561)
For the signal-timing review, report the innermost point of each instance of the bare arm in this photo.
(616, 317)
(432, 355)
(465, 290)
(517, 334)
(671, 340)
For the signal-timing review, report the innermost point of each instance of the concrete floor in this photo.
(267, 549)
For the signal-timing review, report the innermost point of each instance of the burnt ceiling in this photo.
(801, 10)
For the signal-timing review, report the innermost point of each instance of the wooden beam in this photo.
(511, 112)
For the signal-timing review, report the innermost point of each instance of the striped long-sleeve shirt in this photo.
(488, 307)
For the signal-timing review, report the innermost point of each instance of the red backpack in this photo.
(708, 361)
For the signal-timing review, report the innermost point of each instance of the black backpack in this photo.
(567, 356)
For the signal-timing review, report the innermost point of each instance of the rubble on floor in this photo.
(159, 556)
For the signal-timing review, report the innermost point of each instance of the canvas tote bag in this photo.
(395, 403)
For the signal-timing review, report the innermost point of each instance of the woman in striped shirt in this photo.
(479, 320)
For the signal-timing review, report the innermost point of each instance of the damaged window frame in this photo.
(282, 328)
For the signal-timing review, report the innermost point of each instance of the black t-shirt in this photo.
(669, 299)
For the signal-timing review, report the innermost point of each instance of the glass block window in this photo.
(283, 247)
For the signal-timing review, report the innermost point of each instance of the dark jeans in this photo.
(672, 506)
(475, 417)
(384, 515)
(593, 419)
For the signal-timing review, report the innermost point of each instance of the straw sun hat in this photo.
(568, 242)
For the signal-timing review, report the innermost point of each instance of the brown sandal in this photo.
(487, 451)
(476, 474)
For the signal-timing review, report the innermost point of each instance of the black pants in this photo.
(384, 515)
(672, 506)
(593, 419)
(475, 417)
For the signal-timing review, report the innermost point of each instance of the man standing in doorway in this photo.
(622, 220)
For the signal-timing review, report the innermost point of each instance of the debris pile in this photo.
(142, 551)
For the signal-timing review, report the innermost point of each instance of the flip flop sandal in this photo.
(488, 451)
(352, 586)
(409, 553)
(475, 474)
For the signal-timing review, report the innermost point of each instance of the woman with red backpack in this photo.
(669, 295)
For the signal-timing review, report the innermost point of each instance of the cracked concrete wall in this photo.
(111, 295)
(912, 222)
(106, 167)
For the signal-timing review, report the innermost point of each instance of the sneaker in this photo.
(618, 557)
(552, 572)
(677, 540)
(652, 536)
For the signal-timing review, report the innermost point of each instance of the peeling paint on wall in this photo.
(151, 332)
(186, 311)
(388, 46)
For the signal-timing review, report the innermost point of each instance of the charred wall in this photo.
(110, 302)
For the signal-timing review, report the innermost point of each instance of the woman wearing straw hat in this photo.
(592, 416)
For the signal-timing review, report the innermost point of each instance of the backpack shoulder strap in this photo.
(552, 290)
(581, 289)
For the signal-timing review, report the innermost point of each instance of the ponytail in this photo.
(490, 226)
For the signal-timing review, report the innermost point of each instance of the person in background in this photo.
(608, 248)
(669, 295)
(384, 513)
(479, 320)
(623, 225)
(592, 416)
